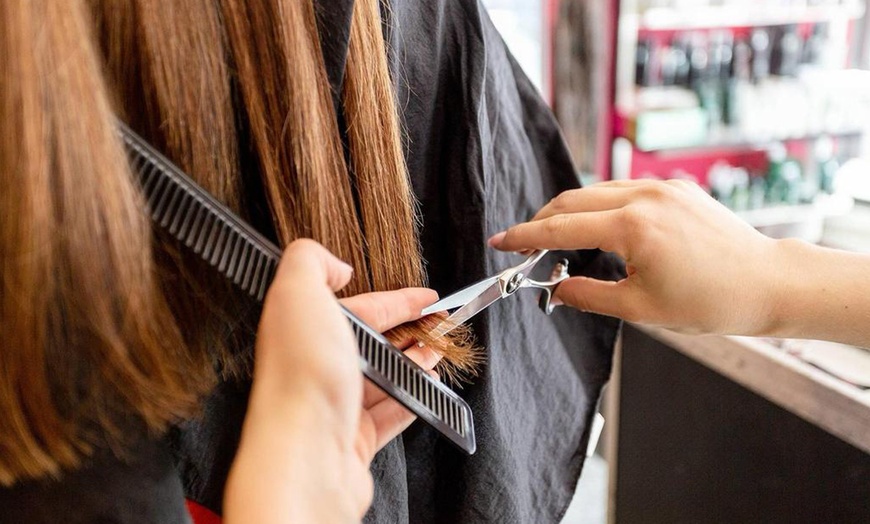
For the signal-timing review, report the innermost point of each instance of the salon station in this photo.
(765, 104)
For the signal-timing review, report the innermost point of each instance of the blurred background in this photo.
(766, 104)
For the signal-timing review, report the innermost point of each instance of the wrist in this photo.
(298, 407)
(789, 288)
(287, 453)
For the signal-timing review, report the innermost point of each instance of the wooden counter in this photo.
(810, 393)
(732, 430)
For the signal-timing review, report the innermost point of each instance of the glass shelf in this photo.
(726, 139)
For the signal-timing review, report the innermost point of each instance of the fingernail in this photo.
(496, 239)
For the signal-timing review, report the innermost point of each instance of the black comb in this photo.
(194, 217)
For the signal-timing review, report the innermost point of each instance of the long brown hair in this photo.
(87, 338)
(95, 328)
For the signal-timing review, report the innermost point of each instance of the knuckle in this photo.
(381, 314)
(578, 300)
(556, 226)
(682, 186)
(562, 201)
(404, 308)
(629, 312)
(304, 244)
(303, 248)
(658, 192)
(633, 217)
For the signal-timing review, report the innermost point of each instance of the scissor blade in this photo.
(461, 297)
(463, 314)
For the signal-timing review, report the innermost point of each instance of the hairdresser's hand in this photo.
(384, 311)
(692, 264)
(307, 442)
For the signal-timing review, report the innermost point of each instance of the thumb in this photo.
(614, 299)
(307, 258)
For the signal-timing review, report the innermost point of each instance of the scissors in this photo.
(473, 299)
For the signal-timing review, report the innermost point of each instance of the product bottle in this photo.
(703, 77)
(737, 83)
(776, 185)
(642, 63)
(760, 42)
(720, 178)
(793, 181)
(680, 52)
(786, 52)
(827, 164)
(757, 192)
(741, 194)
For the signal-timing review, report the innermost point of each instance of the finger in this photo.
(614, 299)
(403, 343)
(592, 198)
(390, 419)
(612, 195)
(387, 309)
(597, 229)
(425, 357)
(372, 394)
(366, 438)
(308, 259)
(406, 335)
(636, 183)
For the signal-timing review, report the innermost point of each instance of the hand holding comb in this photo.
(211, 231)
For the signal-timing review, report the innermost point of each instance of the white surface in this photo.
(848, 363)
(590, 501)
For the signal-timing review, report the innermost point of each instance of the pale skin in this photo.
(313, 424)
(695, 267)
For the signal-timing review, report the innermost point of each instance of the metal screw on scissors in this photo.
(473, 299)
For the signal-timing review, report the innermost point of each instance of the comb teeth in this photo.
(195, 221)
(441, 404)
(207, 227)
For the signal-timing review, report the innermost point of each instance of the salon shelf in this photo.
(725, 140)
(823, 207)
(712, 17)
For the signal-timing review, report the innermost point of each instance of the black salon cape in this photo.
(484, 153)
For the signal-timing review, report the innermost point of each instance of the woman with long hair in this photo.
(392, 133)
(96, 361)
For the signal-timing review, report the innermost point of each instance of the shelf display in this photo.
(754, 100)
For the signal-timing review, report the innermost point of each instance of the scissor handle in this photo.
(544, 302)
(559, 275)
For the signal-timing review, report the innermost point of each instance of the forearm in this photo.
(820, 293)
